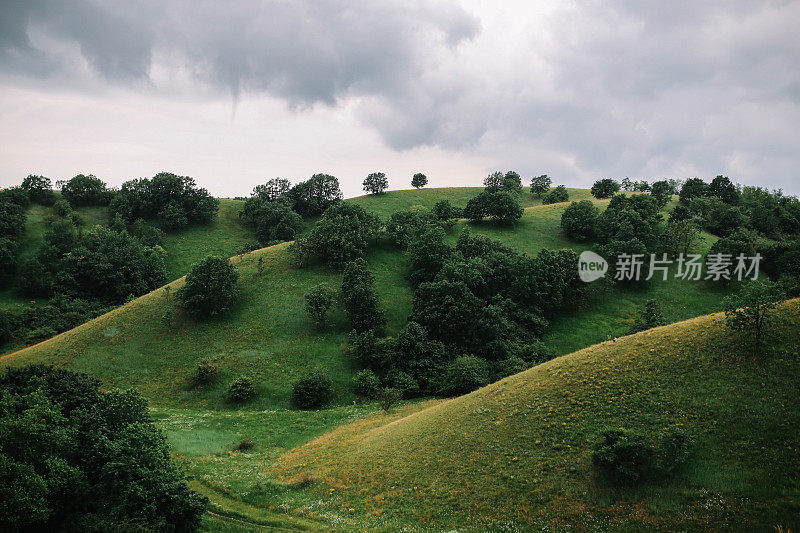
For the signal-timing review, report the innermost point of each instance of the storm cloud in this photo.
(581, 90)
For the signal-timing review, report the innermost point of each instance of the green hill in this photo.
(517, 453)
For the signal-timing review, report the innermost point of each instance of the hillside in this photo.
(269, 336)
(517, 452)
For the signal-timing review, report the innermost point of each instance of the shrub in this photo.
(674, 448)
(419, 180)
(312, 391)
(62, 208)
(387, 397)
(605, 188)
(403, 382)
(622, 456)
(509, 367)
(579, 220)
(366, 384)
(242, 390)
(376, 183)
(273, 220)
(245, 444)
(464, 375)
(210, 287)
(318, 303)
(205, 373)
(649, 317)
(557, 195)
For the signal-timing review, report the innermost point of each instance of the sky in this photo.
(235, 93)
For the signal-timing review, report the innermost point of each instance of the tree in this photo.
(722, 188)
(404, 226)
(680, 236)
(693, 188)
(501, 206)
(313, 196)
(342, 234)
(39, 190)
(210, 287)
(376, 183)
(75, 458)
(272, 220)
(749, 311)
(464, 375)
(272, 190)
(361, 304)
(318, 302)
(366, 384)
(649, 317)
(605, 188)
(86, 190)
(662, 192)
(579, 220)
(444, 211)
(512, 182)
(419, 180)
(557, 195)
(312, 391)
(627, 184)
(427, 254)
(387, 397)
(243, 389)
(494, 181)
(540, 185)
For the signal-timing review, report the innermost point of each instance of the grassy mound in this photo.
(518, 452)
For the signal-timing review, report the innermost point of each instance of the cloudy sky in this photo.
(233, 93)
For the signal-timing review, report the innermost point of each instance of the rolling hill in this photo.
(516, 453)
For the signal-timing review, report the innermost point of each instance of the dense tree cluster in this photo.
(605, 188)
(39, 190)
(342, 234)
(73, 458)
(272, 218)
(508, 182)
(172, 201)
(501, 206)
(313, 196)
(12, 228)
(360, 301)
(86, 190)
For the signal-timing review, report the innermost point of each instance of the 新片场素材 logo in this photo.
(591, 266)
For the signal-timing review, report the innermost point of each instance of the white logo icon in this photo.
(591, 266)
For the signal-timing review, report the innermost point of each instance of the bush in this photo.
(605, 188)
(403, 382)
(318, 303)
(579, 220)
(674, 448)
(557, 195)
(62, 208)
(464, 375)
(206, 373)
(419, 180)
(509, 367)
(387, 397)
(366, 384)
(649, 317)
(312, 391)
(242, 390)
(245, 444)
(622, 456)
(210, 287)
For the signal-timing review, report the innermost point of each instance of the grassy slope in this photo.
(517, 451)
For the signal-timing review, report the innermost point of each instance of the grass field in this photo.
(149, 344)
(517, 453)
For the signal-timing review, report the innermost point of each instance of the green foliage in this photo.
(661, 191)
(173, 201)
(722, 188)
(312, 391)
(631, 218)
(366, 384)
(243, 389)
(501, 206)
(361, 304)
(557, 195)
(86, 190)
(313, 196)
(376, 183)
(508, 182)
(540, 185)
(419, 180)
(605, 188)
(693, 188)
(444, 211)
(649, 317)
(73, 458)
(464, 375)
(342, 234)
(388, 397)
(62, 208)
(403, 382)
(427, 254)
(623, 456)
(749, 311)
(210, 287)
(272, 190)
(39, 190)
(404, 226)
(273, 220)
(318, 302)
(579, 220)
(680, 236)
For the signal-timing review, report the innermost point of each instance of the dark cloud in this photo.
(612, 88)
